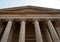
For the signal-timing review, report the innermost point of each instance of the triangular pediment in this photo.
(29, 10)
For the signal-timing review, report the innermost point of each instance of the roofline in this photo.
(36, 8)
(30, 6)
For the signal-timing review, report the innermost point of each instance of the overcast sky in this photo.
(42, 3)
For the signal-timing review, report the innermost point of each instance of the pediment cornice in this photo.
(29, 10)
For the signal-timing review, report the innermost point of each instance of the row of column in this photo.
(54, 37)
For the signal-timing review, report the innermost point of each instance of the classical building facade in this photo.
(29, 24)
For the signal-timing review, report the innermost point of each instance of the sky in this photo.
(41, 3)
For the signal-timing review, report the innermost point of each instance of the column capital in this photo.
(23, 21)
(35, 20)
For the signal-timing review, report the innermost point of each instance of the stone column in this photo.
(57, 27)
(38, 32)
(10, 38)
(53, 32)
(22, 32)
(48, 36)
(58, 31)
(6, 32)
